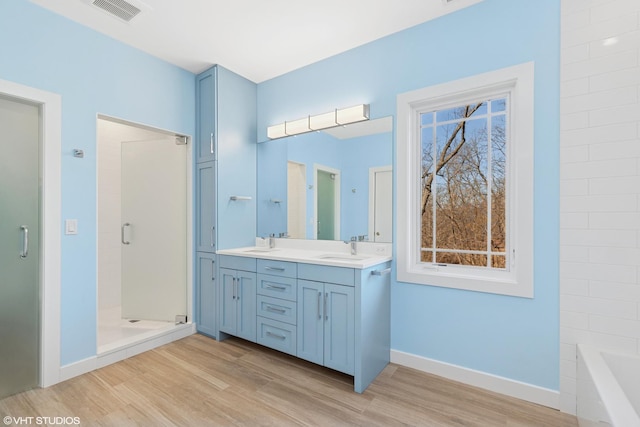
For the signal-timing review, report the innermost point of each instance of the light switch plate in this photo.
(71, 226)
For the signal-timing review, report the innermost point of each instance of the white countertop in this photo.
(332, 253)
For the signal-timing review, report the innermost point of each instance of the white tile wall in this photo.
(600, 181)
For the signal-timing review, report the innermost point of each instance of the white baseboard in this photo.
(517, 389)
(107, 358)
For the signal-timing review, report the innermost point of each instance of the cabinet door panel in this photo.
(310, 321)
(228, 306)
(246, 302)
(205, 206)
(206, 116)
(339, 328)
(206, 275)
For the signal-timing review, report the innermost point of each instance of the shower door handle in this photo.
(124, 242)
(25, 241)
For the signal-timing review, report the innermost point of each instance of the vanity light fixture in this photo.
(345, 116)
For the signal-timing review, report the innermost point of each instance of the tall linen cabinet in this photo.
(225, 155)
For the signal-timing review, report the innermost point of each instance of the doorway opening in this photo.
(327, 202)
(48, 283)
(143, 232)
(296, 200)
(381, 204)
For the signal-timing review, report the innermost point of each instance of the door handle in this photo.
(25, 241)
(319, 305)
(326, 315)
(212, 239)
(124, 242)
(211, 143)
(234, 288)
(213, 270)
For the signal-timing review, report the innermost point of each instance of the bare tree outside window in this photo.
(463, 203)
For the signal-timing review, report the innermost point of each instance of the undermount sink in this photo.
(342, 257)
(260, 250)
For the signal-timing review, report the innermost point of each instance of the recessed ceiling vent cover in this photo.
(119, 8)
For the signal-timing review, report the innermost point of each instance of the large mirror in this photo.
(334, 184)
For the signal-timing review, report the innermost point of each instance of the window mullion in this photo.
(434, 190)
(489, 181)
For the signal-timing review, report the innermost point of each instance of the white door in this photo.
(154, 230)
(296, 200)
(381, 205)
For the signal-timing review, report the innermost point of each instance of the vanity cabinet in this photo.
(326, 325)
(338, 317)
(238, 297)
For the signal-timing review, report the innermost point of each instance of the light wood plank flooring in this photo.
(201, 382)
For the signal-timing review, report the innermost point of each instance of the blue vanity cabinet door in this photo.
(339, 329)
(238, 303)
(206, 292)
(228, 306)
(310, 339)
(206, 100)
(246, 302)
(206, 207)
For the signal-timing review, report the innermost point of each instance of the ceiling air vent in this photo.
(119, 8)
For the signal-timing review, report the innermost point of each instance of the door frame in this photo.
(190, 189)
(50, 206)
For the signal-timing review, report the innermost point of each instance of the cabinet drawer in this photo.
(277, 309)
(328, 274)
(277, 268)
(278, 287)
(237, 263)
(277, 335)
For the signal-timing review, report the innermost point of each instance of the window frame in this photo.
(518, 82)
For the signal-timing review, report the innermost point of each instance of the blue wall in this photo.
(512, 337)
(93, 74)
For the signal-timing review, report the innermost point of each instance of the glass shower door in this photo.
(19, 245)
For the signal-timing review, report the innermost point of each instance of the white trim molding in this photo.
(529, 392)
(517, 83)
(51, 109)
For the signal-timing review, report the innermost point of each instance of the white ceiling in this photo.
(258, 39)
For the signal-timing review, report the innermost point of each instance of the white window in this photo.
(465, 183)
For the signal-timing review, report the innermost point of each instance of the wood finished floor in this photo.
(201, 382)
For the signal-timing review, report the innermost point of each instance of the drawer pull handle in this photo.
(280, 288)
(381, 272)
(276, 309)
(280, 337)
(274, 268)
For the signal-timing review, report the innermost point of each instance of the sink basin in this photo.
(342, 257)
(260, 250)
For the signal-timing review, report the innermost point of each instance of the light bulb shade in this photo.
(332, 119)
(296, 127)
(354, 114)
(323, 121)
(276, 131)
